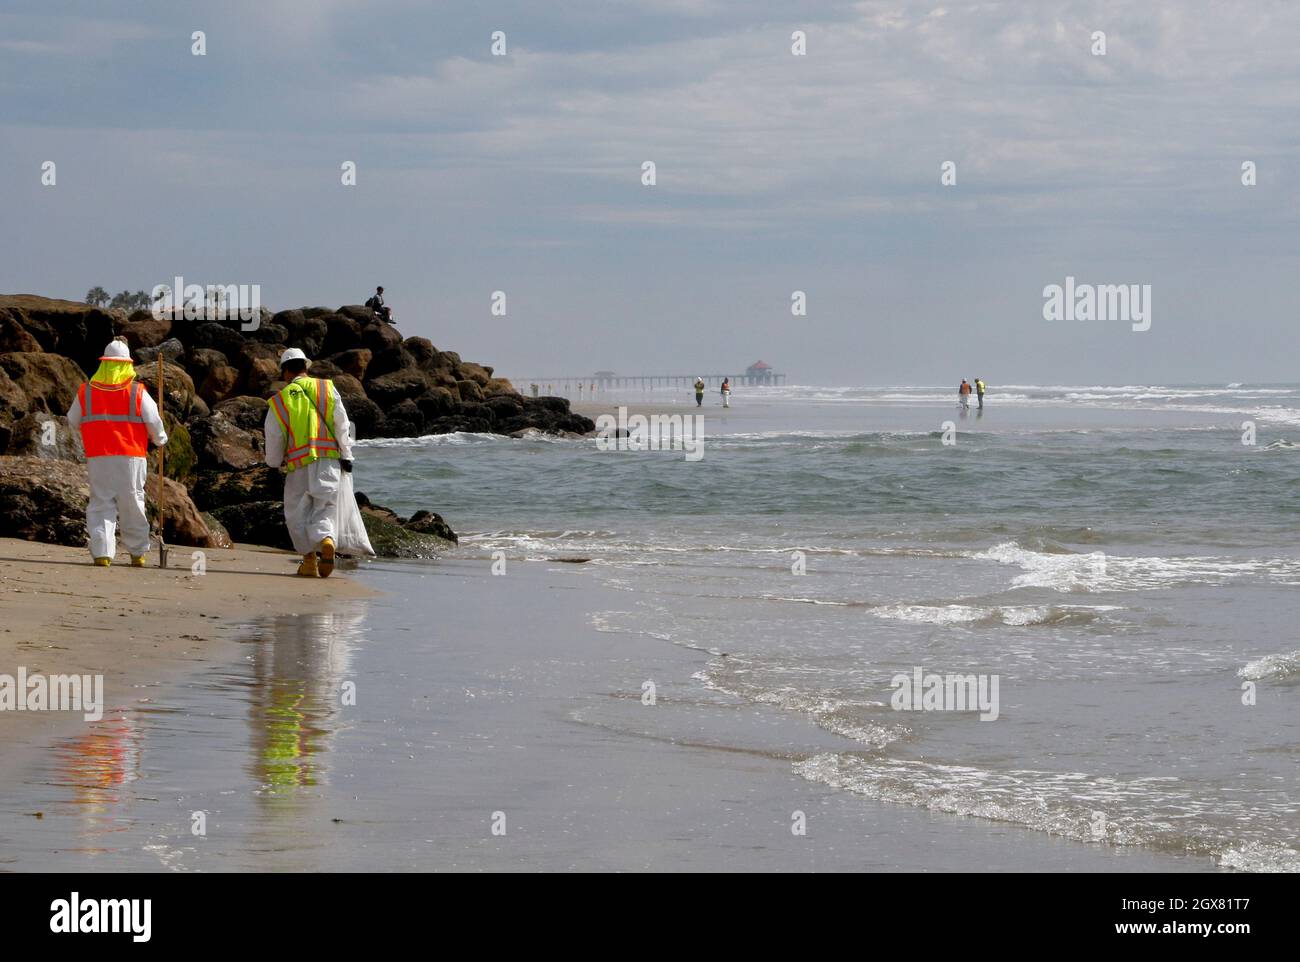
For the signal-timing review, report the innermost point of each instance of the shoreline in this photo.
(477, 696)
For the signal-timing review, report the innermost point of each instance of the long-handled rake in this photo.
(162, 540)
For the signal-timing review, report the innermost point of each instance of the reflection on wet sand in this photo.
(300, 664)
(95, 768)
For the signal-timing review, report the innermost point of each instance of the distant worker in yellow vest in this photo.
(116, 418)
(979, 392)
(307, 433)
(699, 392)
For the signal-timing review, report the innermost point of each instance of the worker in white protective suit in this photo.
(116, 418)
(307, 433)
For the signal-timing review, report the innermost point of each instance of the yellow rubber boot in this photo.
(327, 557)
(308, 567)
(137, 561)
(103, 562)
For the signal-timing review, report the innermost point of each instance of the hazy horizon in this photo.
(775, 173)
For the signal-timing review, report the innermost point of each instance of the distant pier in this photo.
(608, 380)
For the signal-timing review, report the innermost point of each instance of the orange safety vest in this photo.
(112, 422)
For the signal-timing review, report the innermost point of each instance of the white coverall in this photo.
(117, 490)
(311, 493)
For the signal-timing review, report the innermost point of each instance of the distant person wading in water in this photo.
(979, 392)
(726, 392)
(699, 392)
(963, 394)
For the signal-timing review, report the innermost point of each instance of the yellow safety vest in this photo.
(306, 412)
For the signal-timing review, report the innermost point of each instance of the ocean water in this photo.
(1116, 556)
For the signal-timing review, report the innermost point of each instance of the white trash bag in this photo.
(349, 530)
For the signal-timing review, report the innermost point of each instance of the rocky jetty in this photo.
(218, 377)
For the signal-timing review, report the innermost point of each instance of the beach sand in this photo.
(480, 700)
(139, 628)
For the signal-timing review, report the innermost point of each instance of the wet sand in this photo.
(139, 628)
(481, 701)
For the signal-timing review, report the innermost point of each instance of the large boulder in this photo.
(251, 351)
(50, 381)
(171, 349)
(144, 330)
(39, 329)
(262, 379)
(389, 360)
(290, 320)
(245, 411)
(199, 361)
(476, 373)
(216, 489)
(73, 329)
(425, 535)
(342, 333)
(181, 398)
(216, 336)
(325, 369)
(421, 349)
(435, 361)
(459, 422)
(431, 523)
(13, 401)
(219, 443)
(309, 336)
(469, 391)
(390, 389)
(220, 536)
(354, 361)
(182, 522)
(256, 522)
(181, 460)
(437, 402)
(43, 500)
(379, 336)
(47, 436)
(269, 333)
(366, 416)
(404, 420)
(348, 387)
(213, 374)
(358, 312)
(14, 337)
(505, 406)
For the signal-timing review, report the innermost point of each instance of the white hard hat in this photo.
(116, 351)
(293, 354)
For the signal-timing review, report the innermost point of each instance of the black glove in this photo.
(345, 464)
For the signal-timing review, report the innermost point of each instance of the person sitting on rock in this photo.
(376, 304)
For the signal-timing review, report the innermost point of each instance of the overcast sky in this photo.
(775, 172)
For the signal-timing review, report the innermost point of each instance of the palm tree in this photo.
(96, 297)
